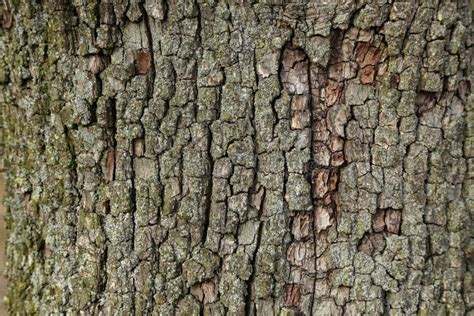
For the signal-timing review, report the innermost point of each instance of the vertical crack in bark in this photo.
(208, 203)
(149, 36)
(208, 194)
(249, 300)
(313, 88)
(73, 164)
(133, 210)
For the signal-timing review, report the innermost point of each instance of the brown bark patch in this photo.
(372, 243)
(110, 165)
(259, 198)
(138, 147)
(87, 201)
(343, 71)
(297, 118)
(96, 64)
(7, 19)
(337, 159)
(294, 73)
(393, 219)
(302, 226)
(333, 92)
(323, 218)
(293, 295)
(206, 292)
(367, 55)
(321, 182)
(337, 143)
(388, 220)
(143, 61)
(425, 102)
(297, 253)
(367, 75)
(378, 222)
(333, 179)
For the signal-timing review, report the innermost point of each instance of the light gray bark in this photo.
(238, 157)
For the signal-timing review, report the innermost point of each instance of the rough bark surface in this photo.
(238, 157)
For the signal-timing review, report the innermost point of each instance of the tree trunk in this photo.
(238, 157)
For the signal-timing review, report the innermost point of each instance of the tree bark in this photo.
(238, 157)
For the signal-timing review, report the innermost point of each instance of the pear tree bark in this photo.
(218, 157)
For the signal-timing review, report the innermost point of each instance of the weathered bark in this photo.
(214, 157)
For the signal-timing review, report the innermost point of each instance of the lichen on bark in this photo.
(238, 157)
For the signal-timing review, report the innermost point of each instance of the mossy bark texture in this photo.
(218, 157)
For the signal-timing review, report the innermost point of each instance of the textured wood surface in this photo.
(238, 157)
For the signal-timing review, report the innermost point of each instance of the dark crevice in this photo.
(208, 204)
(249, 290)
(313, 99)
(149, 36)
